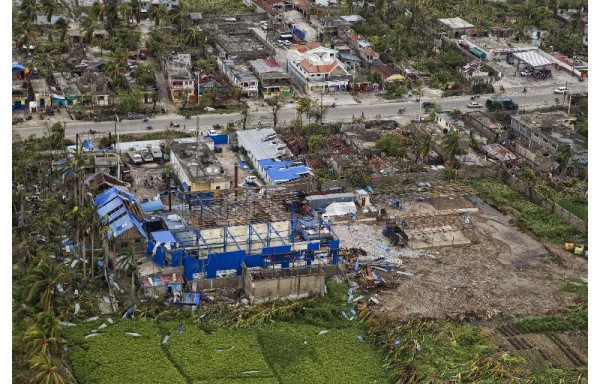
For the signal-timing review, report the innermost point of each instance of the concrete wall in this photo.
(286, 285)
(548, 204)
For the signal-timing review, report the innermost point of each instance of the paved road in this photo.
(529, 100)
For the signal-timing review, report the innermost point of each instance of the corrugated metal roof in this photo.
(163, 236)
(266, 65)
(533, 58)
(262, 143)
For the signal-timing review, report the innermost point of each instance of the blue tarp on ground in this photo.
(152, 206)
(190, 298)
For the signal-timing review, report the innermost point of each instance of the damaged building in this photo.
(198, 168)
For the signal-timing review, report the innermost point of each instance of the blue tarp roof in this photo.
(152, 205)
(283, 171)
(17, 67)
(163, 236)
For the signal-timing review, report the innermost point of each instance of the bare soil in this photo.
(503, 271)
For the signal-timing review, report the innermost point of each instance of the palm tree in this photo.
(304, 105)
(450, 145)
(88, 27)
(191, 37)
(136, 8)
(114, 70)
(126, 261)
(49, 7)
(178, 17)
(63, 27)
(29, 10)
(99, 11)
(159, 14)
(424, 146)
(48, 371)
(43, 337)
(112, 11)
(42, 283)
(564, 153)
(127, 12)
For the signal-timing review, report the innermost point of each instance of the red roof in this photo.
(384, 70)
(312, 68)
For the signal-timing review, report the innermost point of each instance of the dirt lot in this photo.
(502, 270)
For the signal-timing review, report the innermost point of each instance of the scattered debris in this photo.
(249, 372)
(322, 332)
(91, 335)
(134, 334)
(92, 319)
(165, 339)
(360, 338)
(77, 308)
(65, 324)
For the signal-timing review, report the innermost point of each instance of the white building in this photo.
(240, 76)
(317, 69)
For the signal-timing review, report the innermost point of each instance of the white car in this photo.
(287, 43)
(474, 105)
(561, 90)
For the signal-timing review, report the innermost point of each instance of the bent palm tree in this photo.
(43, 337)
(49, 371)
(42, 283)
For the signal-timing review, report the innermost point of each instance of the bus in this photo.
(499, 103)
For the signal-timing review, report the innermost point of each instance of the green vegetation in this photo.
(430, 352)
(214, 8)
(576, 207)
(262, 349)
(393, 144)
(531, 216)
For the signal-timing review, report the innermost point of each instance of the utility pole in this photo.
(569, 106)
(117, 147)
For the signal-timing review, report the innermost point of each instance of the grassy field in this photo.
(267, 353)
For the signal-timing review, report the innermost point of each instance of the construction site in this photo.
(434, 250)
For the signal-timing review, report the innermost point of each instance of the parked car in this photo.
(134, 116)
(427, 105)
(287, 43)
(474, 104)
(561, 90)
(525, 73)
